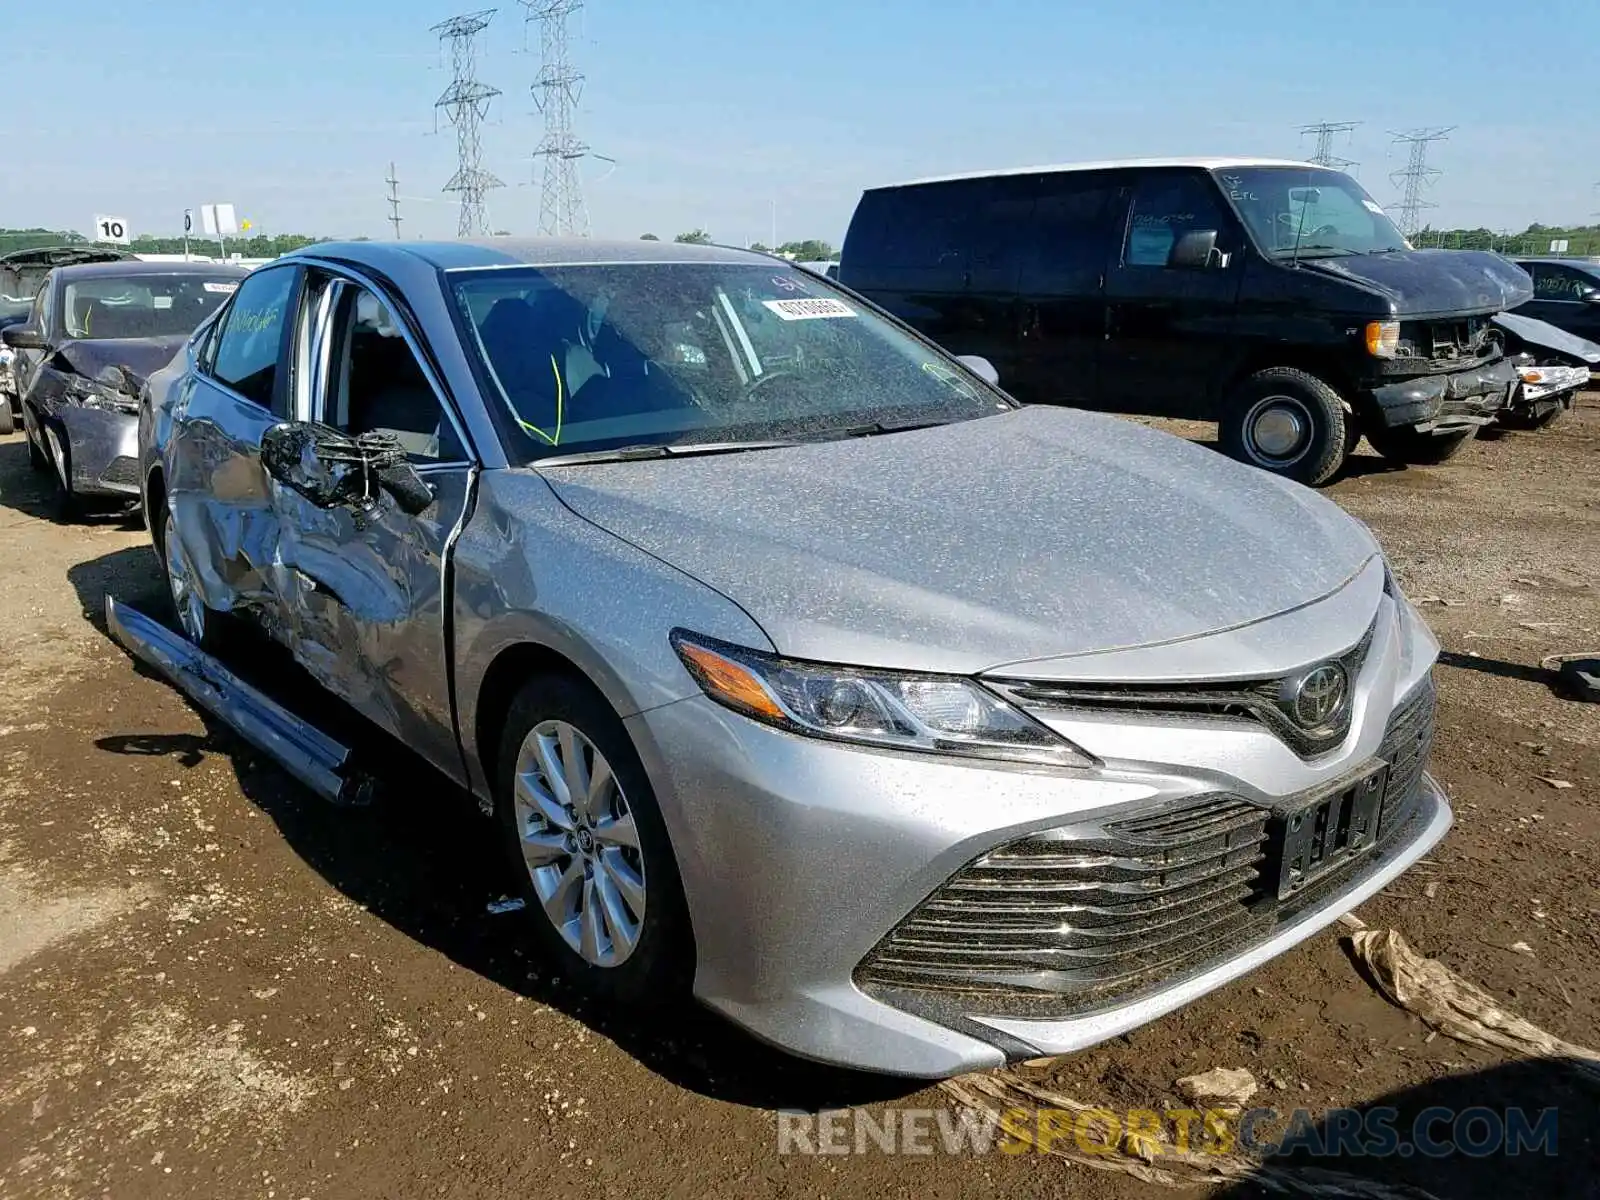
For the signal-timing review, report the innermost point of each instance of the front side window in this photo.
(1300, 212)
(1165, 207)
(245, 353)
(141, 306)
(597, 357)
(378, 386)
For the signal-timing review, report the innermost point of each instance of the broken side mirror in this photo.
(333, 469)
(23, 337)
(1196, 251)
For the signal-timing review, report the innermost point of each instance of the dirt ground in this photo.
(212, 984)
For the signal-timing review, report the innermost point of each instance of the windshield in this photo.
(141, 306)
(1309, 212)
(591, 358)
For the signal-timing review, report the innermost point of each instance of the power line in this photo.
(1325, 132)
(556, 91)
(466, 103)
(1417, 175)
(394, 202)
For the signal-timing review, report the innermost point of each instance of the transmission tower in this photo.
(556, 90)
(394, 201)
(465, 103)
(1417, 175)
(1325, 132)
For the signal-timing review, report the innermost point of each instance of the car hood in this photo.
(140, 356)
(1033, 534)
(1541, 336)
(1431, 283)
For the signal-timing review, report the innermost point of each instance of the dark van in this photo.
(1273, 297)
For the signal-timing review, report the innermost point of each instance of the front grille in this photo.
(1262, 701)
(1067, 920)
(1461, 338)
(121, 472)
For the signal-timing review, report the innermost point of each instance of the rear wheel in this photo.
(1288, 422)
(8, 423)
(589, 847)
(1416, 448)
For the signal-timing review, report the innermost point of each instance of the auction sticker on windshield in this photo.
(226, 289)
(809, 310)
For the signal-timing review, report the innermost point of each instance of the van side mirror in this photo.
(981, 367)
(1196, 251)
(23, 337)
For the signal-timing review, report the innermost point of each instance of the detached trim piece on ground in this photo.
(304, 751)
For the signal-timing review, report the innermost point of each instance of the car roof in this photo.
(128, 267)
(1204, 164)
(528, 252)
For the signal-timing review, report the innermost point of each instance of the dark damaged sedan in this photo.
(94, 334)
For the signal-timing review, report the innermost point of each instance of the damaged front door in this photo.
(365, 578)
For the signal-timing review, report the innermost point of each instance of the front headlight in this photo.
(1383, 339)
(936, 714)
(90, 393)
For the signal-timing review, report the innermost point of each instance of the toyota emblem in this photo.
(1320, 696)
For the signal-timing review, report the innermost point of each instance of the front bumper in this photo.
(1458, 400)
(800, 858)
(102, 450)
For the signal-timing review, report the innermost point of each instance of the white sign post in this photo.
(219, 220)
(112, 230)
(1559, 245)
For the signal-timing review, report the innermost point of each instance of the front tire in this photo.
(589, 848)
(8, 422)
(1288, 422)
(1409, 445)
(59, 454)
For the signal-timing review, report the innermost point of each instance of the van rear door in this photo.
(1168, 328)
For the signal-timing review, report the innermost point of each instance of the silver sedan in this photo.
(909, 727)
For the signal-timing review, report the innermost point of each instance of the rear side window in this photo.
(1165, 207)
(246, 354)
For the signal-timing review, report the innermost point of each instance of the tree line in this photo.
(810, 250)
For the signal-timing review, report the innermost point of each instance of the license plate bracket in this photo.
(1323, 835)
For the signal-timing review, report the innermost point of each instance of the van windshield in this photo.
(1308, 213)
(595, 358)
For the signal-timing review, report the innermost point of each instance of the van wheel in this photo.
(8, 423)
(1287, 422)
(1409, 445)
(589, 848)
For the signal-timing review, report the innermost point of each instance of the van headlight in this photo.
(1383, 339)
(935, 714)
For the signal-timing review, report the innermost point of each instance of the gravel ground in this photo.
(211, 984)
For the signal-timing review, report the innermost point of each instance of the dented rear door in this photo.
(219, 493)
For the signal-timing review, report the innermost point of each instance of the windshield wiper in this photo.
(645, 450)
(875, 429)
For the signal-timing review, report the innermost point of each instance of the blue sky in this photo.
(715, 113)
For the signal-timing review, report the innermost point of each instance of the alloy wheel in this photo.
(580, 843)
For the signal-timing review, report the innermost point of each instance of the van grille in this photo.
(1461, 338)
(1069, 919)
